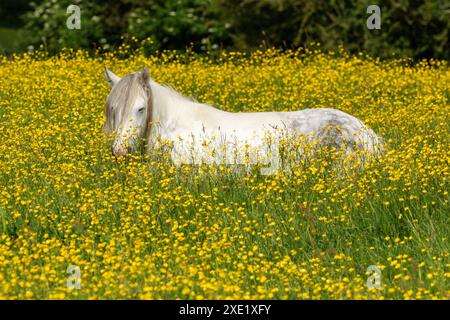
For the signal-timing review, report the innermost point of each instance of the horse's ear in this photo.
(111, 77)
(145, 75)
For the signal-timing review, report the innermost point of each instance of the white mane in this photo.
(177, 94)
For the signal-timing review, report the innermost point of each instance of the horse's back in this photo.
(333, 127)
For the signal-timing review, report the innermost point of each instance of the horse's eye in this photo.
(141, 110)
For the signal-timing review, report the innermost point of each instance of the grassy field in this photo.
(143, 228)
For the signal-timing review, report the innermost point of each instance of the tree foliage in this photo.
(416, 28)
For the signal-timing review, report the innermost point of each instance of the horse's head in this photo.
(128, 110)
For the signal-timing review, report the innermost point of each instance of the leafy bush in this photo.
(409, 27)
(173, 24)
(416, 28)
(178, 24)
(46, 24)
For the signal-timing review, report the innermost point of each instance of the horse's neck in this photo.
(171, 108)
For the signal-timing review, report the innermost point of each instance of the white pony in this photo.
(139, 109)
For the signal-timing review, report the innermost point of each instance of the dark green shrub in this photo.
(417, 28)
(414, 28)
(177, 24)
